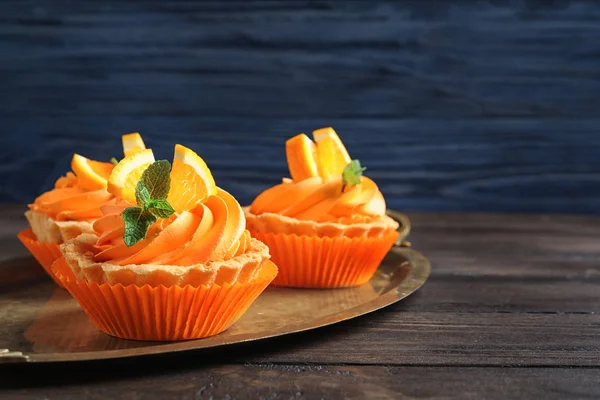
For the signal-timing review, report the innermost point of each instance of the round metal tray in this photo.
(40, 322)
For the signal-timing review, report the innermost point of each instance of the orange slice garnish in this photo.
(125, 175)
(332, 156)
(132, 143)
(91, 175)
(301, 157)
(191, 180)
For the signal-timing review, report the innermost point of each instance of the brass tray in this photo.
(40, 322)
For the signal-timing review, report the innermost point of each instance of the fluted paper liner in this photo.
(165, 313)
(325, 262)
(61, 268)
(44, 253)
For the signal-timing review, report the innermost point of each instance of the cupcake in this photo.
(326, 227)
(72, 206)
(171, 260)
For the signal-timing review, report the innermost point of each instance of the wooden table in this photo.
(452, 105)
(510, 311)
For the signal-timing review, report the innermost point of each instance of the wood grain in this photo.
(453, 105)
(273, 382)
(510, 310)
(448, 339)
(505, 290)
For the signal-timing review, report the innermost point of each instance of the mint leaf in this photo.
(151, 197)
(137, 222)
(156, 179)
(160, 208)
(352, 173)
(114, 161)
(142, 195)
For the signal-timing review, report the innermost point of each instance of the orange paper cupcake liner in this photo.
(165, 313)
(325, 262)
(44, 253)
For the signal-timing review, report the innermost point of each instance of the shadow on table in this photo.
(55, 374)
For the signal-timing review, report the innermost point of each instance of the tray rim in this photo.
(414, 279)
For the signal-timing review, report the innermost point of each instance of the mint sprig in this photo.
(352, 173)
(155, 181)
(137, 222)
(160, 208)
(151, 196)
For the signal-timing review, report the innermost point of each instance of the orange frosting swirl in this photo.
(213, 230)
(68, 201)
(313, 199)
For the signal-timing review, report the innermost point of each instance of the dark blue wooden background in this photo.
(464, 105)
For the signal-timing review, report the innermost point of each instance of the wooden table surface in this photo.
(510, 311)
(452, 105)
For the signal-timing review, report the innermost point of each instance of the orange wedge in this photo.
(192, 181)
(125, 176)
(132, 143)
(301, 157)
(92, 175)
(332, 156)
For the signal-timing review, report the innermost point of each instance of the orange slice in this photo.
(125, 176)
(301, 157)
(332, 156)
(191, 180)
(132, 143)
(92, 175)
